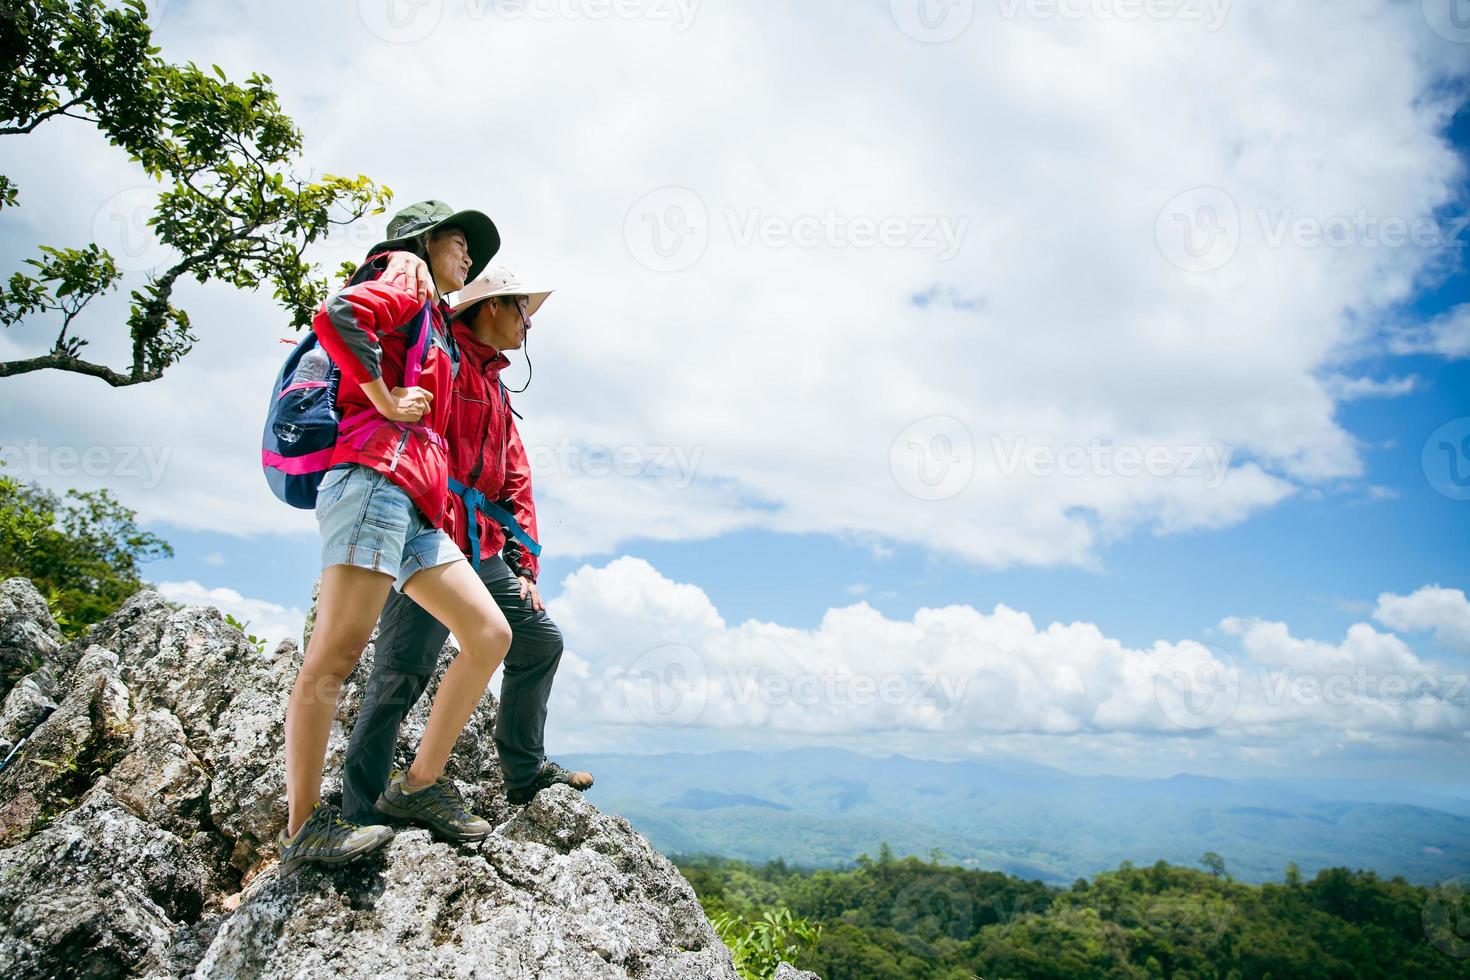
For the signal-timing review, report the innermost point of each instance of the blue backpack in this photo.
(303, 424)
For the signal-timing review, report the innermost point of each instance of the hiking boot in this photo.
(437, 806)
(550, 774)
(328, 839)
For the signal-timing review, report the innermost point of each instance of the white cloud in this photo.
(1445, 611)
(801, 384)
(1351, 389)
(1446, 335)
(655, 660)
(270, 621)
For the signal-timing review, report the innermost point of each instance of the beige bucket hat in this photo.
(498, 281)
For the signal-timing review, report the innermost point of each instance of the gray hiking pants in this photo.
(405, 657)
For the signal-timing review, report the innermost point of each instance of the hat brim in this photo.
(480, 235)
(468, 297)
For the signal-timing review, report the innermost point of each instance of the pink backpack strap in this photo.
(419, 353)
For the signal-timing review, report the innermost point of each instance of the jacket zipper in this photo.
(480, 456)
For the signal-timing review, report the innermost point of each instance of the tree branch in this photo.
(40, 118)
(65, 362)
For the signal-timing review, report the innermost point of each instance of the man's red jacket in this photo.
(485, 452)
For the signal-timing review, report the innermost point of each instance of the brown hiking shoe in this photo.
(550, 774)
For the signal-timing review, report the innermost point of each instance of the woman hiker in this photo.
(490, 483)
(380, 508)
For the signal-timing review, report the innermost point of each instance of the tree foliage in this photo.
(83, 551)
(911, 920)
(229, 206)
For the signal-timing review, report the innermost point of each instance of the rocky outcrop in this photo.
(28, 634)
(138, 816)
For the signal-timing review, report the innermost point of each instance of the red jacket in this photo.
(485, 452)
(368, 330)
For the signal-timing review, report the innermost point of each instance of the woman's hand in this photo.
(528, 587)
(408, 404)
(400, 404)
(409, 272)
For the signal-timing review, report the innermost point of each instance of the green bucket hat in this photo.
(416, 219)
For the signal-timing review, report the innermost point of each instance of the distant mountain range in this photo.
(816, 807)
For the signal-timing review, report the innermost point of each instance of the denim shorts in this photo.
(368, 521)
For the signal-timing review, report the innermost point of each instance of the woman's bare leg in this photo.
(347, 607)
(454, 595)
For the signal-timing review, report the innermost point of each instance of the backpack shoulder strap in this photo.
(419, 354)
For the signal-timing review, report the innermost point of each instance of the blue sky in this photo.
(1016, 227)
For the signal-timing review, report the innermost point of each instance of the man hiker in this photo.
(492, 519)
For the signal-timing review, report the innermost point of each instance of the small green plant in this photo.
(250, 638)
(760, 945)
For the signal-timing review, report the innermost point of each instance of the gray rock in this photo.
(533, 905)
(131, 861)
(64, 754)
(26, 706)
(97, 893)
(785, 971)
(28, 635)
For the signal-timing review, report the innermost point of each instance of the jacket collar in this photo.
(479, 353)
